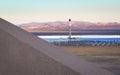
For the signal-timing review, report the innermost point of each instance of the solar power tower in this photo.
(70, 25)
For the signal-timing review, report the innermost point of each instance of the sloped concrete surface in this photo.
(22, 53)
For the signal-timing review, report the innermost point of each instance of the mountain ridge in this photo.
(63, 26)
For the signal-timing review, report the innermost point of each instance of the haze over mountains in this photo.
(63, 26)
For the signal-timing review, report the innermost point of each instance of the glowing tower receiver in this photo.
(70, 24)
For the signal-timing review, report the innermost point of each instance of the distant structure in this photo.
(70, 24)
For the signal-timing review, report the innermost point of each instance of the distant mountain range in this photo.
(63, 26)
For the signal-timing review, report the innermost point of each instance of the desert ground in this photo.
(107, 57)
(94, 50)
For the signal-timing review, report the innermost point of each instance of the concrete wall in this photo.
(18, 58)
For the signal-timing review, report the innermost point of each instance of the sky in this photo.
(24, 11)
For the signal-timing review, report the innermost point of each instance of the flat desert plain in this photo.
(107, 57)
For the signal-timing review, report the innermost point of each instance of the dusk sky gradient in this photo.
(23, 11)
